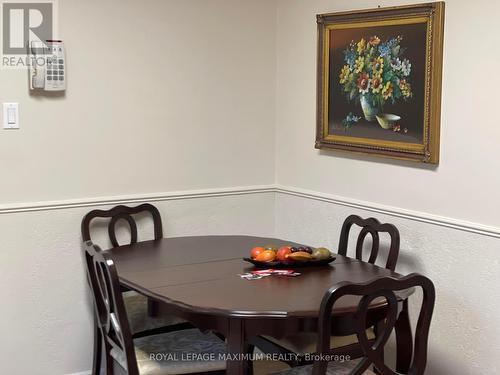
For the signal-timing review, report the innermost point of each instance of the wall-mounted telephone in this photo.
(48, 66)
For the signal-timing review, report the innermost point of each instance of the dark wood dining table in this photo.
(197, 278)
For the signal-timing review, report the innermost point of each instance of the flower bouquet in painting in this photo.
(375, 73)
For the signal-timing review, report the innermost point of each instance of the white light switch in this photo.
(10, 115)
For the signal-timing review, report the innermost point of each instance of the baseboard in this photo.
(89, 372)
(392, 211)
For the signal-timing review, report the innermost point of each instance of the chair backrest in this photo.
(110, 309)
(122, 213)
(384, 287)
(373, 227)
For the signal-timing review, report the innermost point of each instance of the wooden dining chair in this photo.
(124, 213)
(180, 352)
(296, 347)
(140, 310)
(386, 289)
(373, 227)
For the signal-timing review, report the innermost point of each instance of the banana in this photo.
(300, 256)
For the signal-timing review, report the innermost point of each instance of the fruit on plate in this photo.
(299, 256)
(254, 253)
(308, 249)
(321, 253)
(271, 247)
(282, 253)
(305, 249)
(266, 256)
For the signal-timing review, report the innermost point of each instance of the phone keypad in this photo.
(55, 69)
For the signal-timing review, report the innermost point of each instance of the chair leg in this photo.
(404, 340)
(379, 329)
(96, 363)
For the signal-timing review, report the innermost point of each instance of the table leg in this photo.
(237, 348)
(153, 307)
(404, 340)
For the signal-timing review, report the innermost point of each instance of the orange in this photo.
(254, 253)
(266, 256)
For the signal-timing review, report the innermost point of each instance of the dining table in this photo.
(198, 278)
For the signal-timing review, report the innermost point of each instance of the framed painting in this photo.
(379, 81)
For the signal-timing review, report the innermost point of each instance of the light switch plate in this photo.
(11, 115)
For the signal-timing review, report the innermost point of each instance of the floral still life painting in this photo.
(375, 73)
(379, 81)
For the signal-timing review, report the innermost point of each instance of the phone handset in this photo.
(38, 65)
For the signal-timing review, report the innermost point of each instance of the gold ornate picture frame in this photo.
(379, 81)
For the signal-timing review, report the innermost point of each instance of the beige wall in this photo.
(162, 95)
(422, 201)
(465, 183)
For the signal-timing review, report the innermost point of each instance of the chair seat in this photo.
(136, 306)
(180, 352)
(305, 342)
(334, 368)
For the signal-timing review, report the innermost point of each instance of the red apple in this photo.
(282, 253)
(256, 251)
